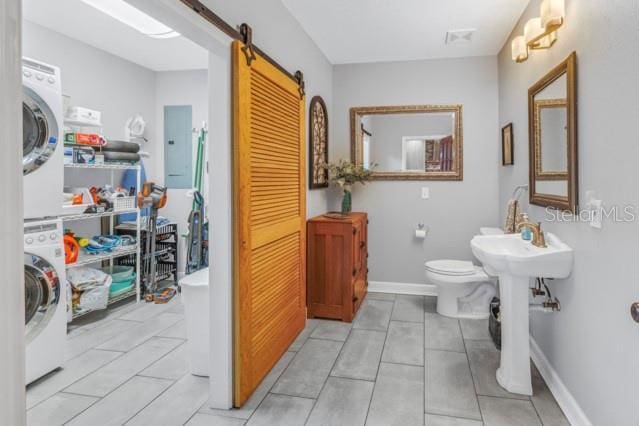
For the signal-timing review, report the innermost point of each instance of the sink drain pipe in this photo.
(549, 305)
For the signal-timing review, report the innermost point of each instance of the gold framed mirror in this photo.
(408, 142)
(552, 127)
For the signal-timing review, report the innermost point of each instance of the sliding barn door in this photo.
(269, 218)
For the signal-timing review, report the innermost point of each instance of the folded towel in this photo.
(511, 214)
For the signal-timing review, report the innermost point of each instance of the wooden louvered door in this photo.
(269, 218)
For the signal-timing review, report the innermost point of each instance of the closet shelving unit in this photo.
(109, 258)
(166, 251)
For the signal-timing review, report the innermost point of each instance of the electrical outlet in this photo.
(425, 193)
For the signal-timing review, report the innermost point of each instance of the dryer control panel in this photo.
(42, 234)
(42, 74)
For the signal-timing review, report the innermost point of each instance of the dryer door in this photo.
(39, 131)
(41, 294)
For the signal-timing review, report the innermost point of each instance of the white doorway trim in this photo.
(12, 380)
(182, 19)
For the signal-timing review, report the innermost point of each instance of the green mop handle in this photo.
(201, 140)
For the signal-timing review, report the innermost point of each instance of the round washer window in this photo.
(39, 131)
(42, 294)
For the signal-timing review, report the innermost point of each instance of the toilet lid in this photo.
(451, 267)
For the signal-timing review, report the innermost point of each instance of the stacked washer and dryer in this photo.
(44, 268)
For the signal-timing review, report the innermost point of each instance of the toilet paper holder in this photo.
(421, 231)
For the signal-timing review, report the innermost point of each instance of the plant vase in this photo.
(347, 201)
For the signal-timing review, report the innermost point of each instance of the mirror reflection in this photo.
(418, 143)
(553, 138)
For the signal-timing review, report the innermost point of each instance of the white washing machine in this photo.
(42, 141)
(45, 297)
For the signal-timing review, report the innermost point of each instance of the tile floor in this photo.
(399, 363)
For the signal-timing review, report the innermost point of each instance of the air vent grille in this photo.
(459, 36)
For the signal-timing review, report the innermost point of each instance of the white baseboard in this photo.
(564, 398)
(402, 288)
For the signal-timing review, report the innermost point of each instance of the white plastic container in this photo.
(195, 296)
(86, 116)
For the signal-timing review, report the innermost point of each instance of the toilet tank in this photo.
(491, 231)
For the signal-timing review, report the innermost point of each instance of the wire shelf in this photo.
(86, 259)
(105, 166)
(85, 216)
(111, 301)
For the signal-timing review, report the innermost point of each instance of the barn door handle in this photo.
(362, 244)
(354, 271)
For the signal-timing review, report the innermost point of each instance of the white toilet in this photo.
(464, 290)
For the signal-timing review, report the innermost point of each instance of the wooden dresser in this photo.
(336, 265)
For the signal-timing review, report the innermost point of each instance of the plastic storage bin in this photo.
(123, 279)
(124, 203)
(195, 296)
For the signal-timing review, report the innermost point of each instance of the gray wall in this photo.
(118, 88)
(592, 343)
(180, 88)
(277, 33)
(98, 80)
(455, 210)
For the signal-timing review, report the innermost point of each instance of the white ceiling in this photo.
(355, 31)
(79, 21)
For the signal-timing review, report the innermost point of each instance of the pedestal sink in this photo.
(515, 261)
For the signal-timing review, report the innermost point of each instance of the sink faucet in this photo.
(538, 235)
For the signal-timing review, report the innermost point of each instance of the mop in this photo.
(194, 239)
(194, 243)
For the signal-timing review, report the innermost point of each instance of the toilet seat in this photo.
(449, 272)
(451, 267)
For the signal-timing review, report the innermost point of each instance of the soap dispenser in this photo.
(526, 233)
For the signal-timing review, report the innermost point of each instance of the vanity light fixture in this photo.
(553, 13)
(519, 49)
(536, 35)
(541, 32)
(533, 31)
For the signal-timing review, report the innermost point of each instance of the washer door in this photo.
(39, 131)
(41, 294)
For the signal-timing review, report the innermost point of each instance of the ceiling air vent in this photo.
(459, 36)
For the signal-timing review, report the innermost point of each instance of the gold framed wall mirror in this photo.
(552, 127)
(408, 142)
